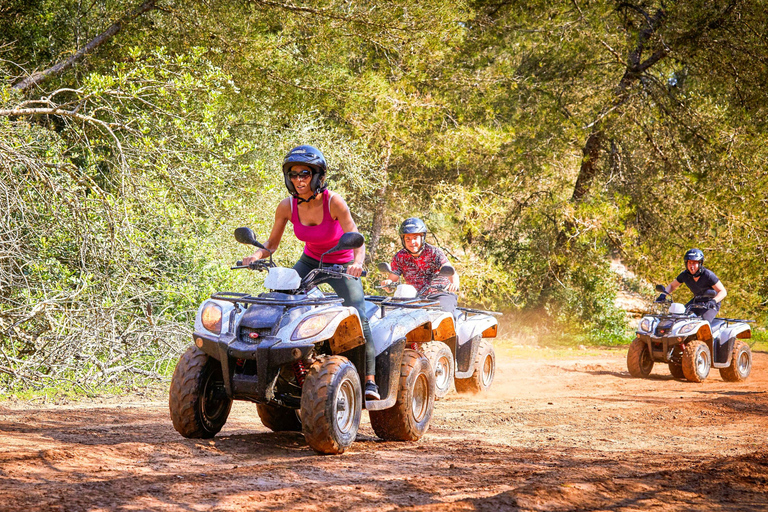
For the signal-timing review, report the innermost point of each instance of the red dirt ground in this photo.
(554, 434)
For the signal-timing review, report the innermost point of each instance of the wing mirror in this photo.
(446, 270)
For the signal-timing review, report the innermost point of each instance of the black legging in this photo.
(706, 314)
(351, 290)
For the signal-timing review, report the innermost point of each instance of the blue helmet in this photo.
(312, 158)
(412, 225)
(694, 255)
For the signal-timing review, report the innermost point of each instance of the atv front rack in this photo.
(468, 311)
(271, 301)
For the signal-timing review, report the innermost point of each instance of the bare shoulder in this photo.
(337, 205)
(284, 209)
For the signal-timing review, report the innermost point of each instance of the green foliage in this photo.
(118, 204)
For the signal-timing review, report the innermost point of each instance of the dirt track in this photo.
(555, 434)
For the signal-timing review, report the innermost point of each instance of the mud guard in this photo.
(465, 357)
(387, 376)
(721, 356)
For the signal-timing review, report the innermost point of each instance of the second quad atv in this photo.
(457, 344)
(690, 345)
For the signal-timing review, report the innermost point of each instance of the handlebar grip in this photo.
(239, 263)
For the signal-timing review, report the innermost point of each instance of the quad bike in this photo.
(458, 347)
(299, 355)
(689, 344)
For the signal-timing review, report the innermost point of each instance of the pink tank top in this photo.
(320, 238)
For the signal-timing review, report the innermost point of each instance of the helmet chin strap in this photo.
(300, 199)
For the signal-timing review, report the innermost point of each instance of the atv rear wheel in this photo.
(279, 419)
(409, 418)
(198, 401)
(485, 369)
(676, 370)
(741, 363)
(639, 360)
(441, 359)
(331, 404)
(697, 361)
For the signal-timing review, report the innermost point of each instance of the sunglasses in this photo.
(302, 175)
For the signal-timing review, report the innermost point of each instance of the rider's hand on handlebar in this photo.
(452, 287)
(662, 298)
(355, 269)
(258, 255)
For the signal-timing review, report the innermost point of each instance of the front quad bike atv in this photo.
(457, 345)
(298, 354)
(689, 344)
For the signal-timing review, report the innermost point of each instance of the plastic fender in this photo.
(230, 317)
(735, 330)
(342, 313)
(473, 326)
(396, 324)
(443, 325)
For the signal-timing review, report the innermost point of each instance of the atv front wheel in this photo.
(409, 418)
(198, 401)
(441, 359)
(331, 404)
(741, 363)
(485, 369)
(639, 360)
(696, 361)
(279, 419)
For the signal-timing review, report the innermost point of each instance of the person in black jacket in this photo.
(699, 279)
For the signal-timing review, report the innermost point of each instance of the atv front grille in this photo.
(252, 334)
(664, 327)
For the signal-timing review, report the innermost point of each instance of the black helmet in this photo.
(411, 226)
(694, 255)
(312, 158)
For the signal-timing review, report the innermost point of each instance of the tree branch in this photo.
(37, 78)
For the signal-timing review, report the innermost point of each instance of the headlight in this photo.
(687, 328)
(645, 325)
(211, 317)
(313, 325)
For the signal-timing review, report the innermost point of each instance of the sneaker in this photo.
(372, 391)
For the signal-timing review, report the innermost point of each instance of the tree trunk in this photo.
(380, 207)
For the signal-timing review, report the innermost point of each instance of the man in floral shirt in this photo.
(418, 263)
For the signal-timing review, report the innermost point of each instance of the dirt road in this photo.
(555, 434)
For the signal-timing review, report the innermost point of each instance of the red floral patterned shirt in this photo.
(418, 271)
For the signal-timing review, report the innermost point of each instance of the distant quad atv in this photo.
(689, 344)
(458, 345)
(299, 355)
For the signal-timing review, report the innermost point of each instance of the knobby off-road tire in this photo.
(676, 370)
(279, 419)
(741, 363)
(639, 360)
(198, 401)
(331, 404)
(484, 370)
(697, 361)
(409, 418)
(441, 359)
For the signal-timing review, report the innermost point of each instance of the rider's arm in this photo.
(721, 291)
(340, 211)
(282, 215)
(674, 285)
(391, 279)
